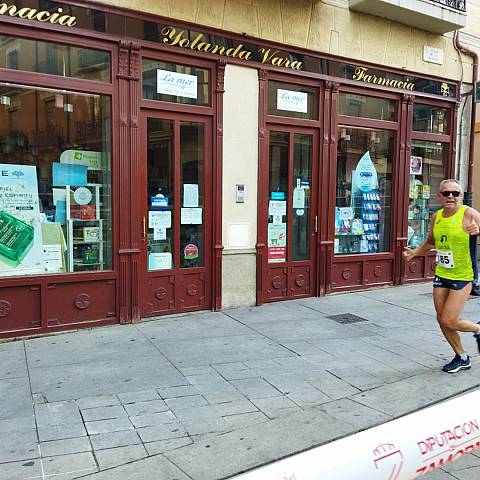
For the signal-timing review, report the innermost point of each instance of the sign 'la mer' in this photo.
(28, 13)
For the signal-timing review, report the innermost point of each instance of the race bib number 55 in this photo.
(445, 259)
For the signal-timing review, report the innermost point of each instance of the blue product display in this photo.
(370, 211)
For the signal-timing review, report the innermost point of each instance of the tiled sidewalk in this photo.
(207, 395)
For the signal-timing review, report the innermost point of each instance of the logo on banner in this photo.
(389, 459)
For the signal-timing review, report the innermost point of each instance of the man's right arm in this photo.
(424, 247)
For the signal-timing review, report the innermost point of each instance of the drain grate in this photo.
(347, 318)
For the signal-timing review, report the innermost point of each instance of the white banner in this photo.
(177, 84)
(402, 449)
(292, 101)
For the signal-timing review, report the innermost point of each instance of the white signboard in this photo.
(191, 216)
(93, 160)
(177, 84)
(433, 55)
(159, 219)
(292, 101)
(160, 261)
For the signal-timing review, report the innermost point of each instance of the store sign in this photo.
(362, 74)
(292, 101)
(173, 37)
(177, 84)
(40, 15)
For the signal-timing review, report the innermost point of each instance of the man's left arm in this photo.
(472, 221)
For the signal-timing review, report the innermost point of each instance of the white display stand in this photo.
(75, 262)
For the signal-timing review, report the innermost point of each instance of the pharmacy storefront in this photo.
(149, 168)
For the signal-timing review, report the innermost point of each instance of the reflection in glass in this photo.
(364, 191)
(355, 105)
(57, 147)
(427, 169)
(278, 197)
(160, 194)
(192, 193)
(302, 172)
(54, 59)
(285, 103)
(149, 82)
(430, 119)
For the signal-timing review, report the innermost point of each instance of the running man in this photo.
(449, 233)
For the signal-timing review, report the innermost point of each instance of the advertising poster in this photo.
(21, 245)
(277, 243)
(365, 175)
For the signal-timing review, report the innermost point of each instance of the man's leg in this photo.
(473, 255)
(440, 296)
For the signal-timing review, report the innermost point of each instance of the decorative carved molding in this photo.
(160, 293)
(377, 271)
(407, 98)
(261, 133)
(5, 308)
(276, 282)
(346, 274)
(123, 58)
(220, 87)
(263, 75)
(300, 280)
(192, 289)
(135, 61)
(413, 267)
(82, 301)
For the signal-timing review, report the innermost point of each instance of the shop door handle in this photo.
(316, 224)
(144, 225)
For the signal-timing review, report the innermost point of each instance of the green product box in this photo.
(16, 238)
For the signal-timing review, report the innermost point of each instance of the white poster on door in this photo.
(177, 84)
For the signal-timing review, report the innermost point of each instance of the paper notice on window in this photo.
(298, 198)
(177, 84)
(292, 101)
(190, 195)
(159, 233)
(59, 194)
(191, 216)
(277, 207)
(277, 220)
(160, 261)
(52, 255)
(159, 219)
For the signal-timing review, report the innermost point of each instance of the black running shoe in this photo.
(457, 364)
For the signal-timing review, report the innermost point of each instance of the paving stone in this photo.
(154, 448)
(234, 371)
(356, 377)
(162, 432)
(152, 468)
(203, 426)
(15, 398)
(97, 401)
(180, 391)
(18, 445)
(218, 410)
(57, 413)
(256, 388)
(103, 413)
(17, 424)
(114, 457)
(65, 447)
(142, 396)
(146, 408)
(61, 432)
(306, 399)
(276, 406)
(66, 467)
(105, 426)
(140, 421)
(31, 469)
(125, 438)
(185, 402)
(245, 419)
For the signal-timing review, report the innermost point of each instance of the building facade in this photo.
(178, 156)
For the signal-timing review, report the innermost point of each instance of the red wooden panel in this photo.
(300, 281)
(378, 272)
(346, 274)
(79, 302)
(159, 295)
(415, 268)
(191, 290)
(20, 308)
(276, 281)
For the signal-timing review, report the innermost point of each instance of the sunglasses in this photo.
(447, 193)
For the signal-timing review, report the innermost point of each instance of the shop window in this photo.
(430, 119)
(364, 191)
(169, 82)
(54, 59)
(364, 106)
(427, 170)
(55, 188)
(295, 101)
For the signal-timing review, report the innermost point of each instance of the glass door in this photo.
(176, 222)
(291, 217)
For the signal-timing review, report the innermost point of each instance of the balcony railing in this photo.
(456, 4)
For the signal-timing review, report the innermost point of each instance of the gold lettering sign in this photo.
(40, 15)
(173, 37)
(361, 74)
